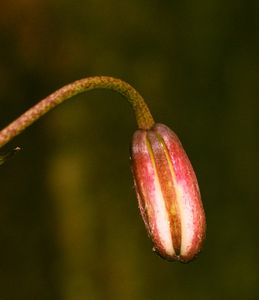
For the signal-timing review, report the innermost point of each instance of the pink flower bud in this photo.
(168, 193)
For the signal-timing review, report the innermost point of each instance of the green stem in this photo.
(143, 115)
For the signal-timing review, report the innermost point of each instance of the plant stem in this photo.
(142, 113)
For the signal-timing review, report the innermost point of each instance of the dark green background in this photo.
(69, 223)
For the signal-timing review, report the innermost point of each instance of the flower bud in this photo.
(168, 194)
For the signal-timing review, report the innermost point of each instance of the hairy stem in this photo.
(143, 115)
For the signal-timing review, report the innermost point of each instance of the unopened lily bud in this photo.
(168, 193)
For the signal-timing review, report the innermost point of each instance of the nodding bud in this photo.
(168, 194)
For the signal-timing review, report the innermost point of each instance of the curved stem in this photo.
(143, 115)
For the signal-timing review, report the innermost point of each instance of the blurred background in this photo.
(69, 221)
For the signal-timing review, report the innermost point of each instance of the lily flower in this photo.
(168, 193)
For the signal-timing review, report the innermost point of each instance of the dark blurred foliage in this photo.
(70, 227)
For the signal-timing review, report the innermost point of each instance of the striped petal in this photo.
(168, 193)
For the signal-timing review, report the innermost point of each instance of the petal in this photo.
(150, 197)
(193, 223)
